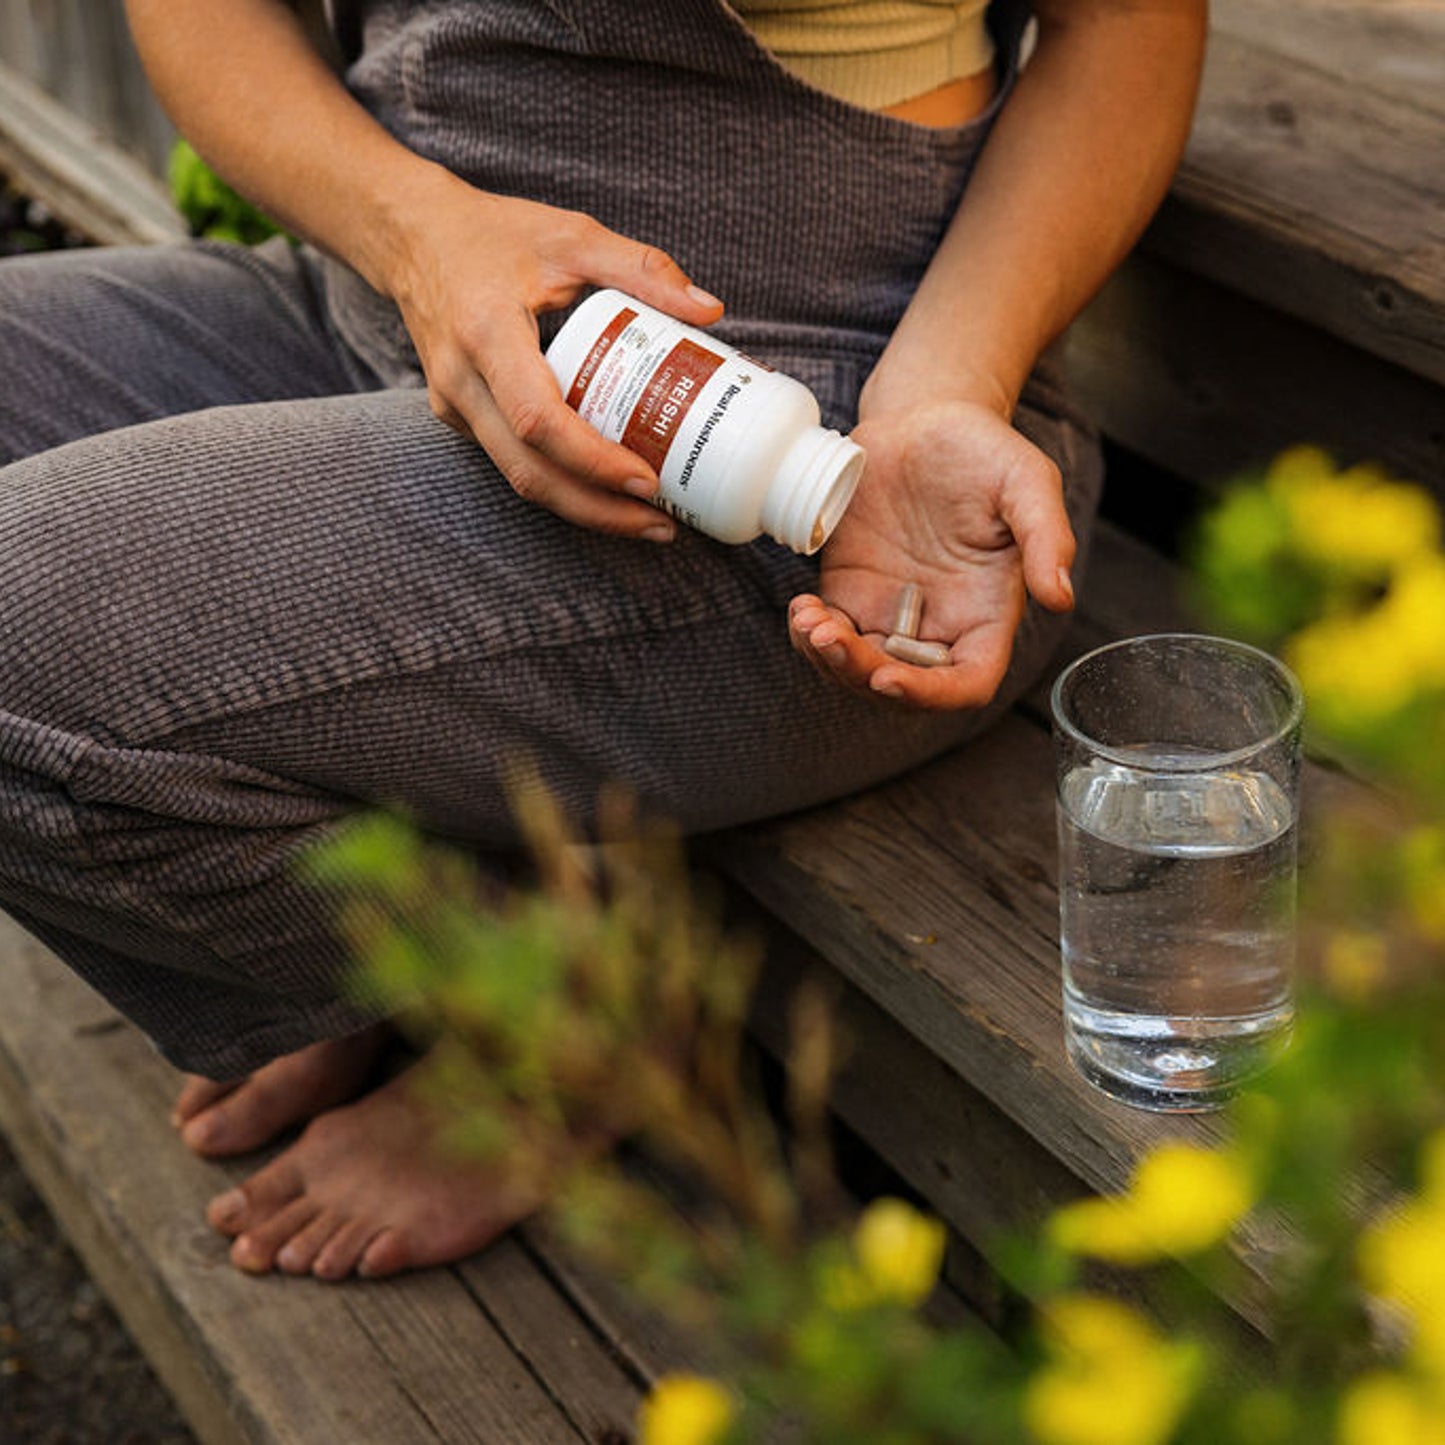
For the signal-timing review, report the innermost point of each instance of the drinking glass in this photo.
(1178, 799)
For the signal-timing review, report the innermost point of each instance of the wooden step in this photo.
(1292, 286)
(1313, 179)
(518, 1344)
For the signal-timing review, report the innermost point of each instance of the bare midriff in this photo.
(955, 103)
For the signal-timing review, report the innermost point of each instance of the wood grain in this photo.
(1313, 192)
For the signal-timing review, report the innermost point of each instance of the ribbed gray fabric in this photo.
(252, 584)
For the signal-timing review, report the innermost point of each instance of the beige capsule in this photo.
(909, 611)
(920, 654)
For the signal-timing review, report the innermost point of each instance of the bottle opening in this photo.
(812, 489)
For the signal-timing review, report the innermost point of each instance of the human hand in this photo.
(957, 501)
(470, 275)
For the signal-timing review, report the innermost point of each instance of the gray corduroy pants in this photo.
(251, 585)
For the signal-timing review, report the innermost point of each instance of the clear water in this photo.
(1177, 901)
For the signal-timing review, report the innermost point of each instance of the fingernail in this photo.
(1066, 582)
(703, 298)
(824, 635)
(658, 534)
(887, 689)
(643, 487)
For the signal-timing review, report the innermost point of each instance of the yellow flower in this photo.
(1299, 466)
(1412, 612)
(898, 1252)
(1182, 1199)
(1402, 1258)
(685, 1410)
(1387, 1409)
(1354, 669)
(1358, 520)
(1111, 1379)
(1112, 1229)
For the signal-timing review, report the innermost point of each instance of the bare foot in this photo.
(364, 1190)
(220, 1119)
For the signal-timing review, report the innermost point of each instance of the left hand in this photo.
(956, 500)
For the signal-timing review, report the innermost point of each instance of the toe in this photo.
(385, 1255)
(342, 1252)
(299, 1252)
(242, 1120)
(198, 1093)
(258, 1199)
(255, 1251)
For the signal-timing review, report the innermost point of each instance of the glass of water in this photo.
(1178, 792)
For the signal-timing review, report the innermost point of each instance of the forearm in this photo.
(272, 118)
(1077, 163)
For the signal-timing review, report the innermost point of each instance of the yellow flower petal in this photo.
(1299, 465)
(1112, 1380)
(1387, 1409)
(1357, 521)
(1109, 1229)
(1192, 1196)
(1402, 1258)
(1354, 669)
(899, 1250)
(1095, 1327)
(1411, 614)
(1182, 1199)
(685, 1410)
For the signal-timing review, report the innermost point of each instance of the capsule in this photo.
(920, 654)
(909, 612)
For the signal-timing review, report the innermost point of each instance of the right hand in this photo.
(470, 275)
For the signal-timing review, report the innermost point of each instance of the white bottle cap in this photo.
(814, 484)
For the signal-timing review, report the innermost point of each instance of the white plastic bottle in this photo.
(737, 446)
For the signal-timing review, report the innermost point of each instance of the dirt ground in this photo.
(69, 1372)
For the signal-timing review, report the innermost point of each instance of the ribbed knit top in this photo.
(873, 53)
(668, 121)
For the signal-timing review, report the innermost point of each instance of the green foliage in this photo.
(209, 206)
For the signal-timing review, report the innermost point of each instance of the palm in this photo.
(952, 499)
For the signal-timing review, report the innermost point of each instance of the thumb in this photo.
(1031, 503)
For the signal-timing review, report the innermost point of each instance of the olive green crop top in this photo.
(874, 53)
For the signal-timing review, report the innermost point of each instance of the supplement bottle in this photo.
(737, 446)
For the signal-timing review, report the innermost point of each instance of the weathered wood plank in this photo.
(1320, 197)
(61, 160)
(1394, 49)
(1207, 383)
(598, 1394)
(646, 1343)
(252, 1362)
(989, 1179)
